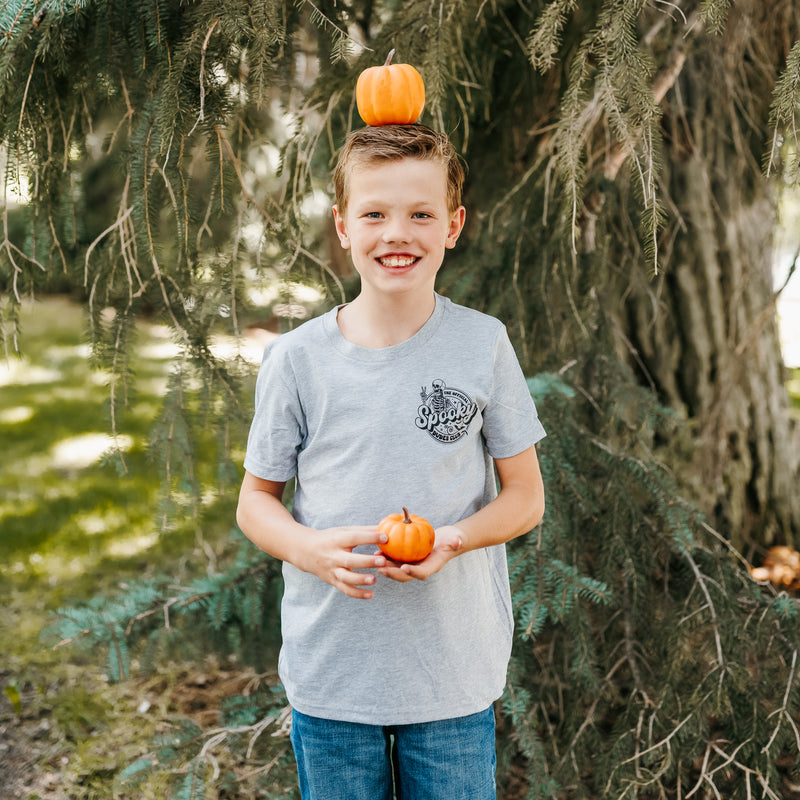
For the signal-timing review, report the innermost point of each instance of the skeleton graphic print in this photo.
(445, 412)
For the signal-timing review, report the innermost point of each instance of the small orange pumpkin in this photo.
(410, 537)
(393, 94)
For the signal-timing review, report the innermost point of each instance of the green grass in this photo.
(793, 386)
(74, 524)
(69, 522)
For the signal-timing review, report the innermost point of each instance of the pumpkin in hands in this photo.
(410, 537)
(393, 94)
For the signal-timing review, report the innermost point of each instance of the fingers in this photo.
(397, 574)
(352, 583)
(402, 573)
(347, 539)
(353, 561)
(344, 575)
(422, 570)
(343, 563)
(359, 535)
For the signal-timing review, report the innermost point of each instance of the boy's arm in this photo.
(327, 554)
(518, 507)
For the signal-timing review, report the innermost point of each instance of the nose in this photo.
(396, 229)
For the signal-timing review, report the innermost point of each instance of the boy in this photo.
(399, 398)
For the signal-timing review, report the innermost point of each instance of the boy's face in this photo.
(397, 225)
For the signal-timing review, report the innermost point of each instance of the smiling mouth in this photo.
(398, 261)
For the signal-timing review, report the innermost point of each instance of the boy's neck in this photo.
(384, 321)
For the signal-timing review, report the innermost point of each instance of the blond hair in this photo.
(392, 143)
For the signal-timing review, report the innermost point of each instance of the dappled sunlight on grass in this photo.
(59, 562)
(64, 507)
(94, 522)
(61, 354)
(71, 454)
(21, 372)
(131, 546)
(13, 416)
(79, 506)
(160, 345)
(81, 513)
(78, 452)
(250, 348)
(793, 387)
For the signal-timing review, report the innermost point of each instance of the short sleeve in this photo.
(277, 430)
(510, 421)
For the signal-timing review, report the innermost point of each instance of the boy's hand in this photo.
(449, 543)
(331, 558)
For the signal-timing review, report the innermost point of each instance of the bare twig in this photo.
(339, 30)
(589, 717)
(783, 711)
(118, 222)
(127, 116)
(714, 619)
(325, 267)
(113, 398)
(25, 96)
(661, 85)
(748, 771)
(11, 249)
(201, 116)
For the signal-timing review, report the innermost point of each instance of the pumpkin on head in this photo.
(393, 94)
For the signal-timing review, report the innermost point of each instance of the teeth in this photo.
(398, 261)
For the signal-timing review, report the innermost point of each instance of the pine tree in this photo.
(623, 161)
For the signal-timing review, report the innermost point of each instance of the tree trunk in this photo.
(712, 349)
(705, 329)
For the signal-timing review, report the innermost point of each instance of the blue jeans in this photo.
(450, 759)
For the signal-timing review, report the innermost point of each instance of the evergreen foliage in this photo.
(784, 117)
(644, 649)
(174, 155)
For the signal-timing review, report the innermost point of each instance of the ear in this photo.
(456, 226)
(341, 231)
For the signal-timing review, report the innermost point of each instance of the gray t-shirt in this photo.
(365, 432)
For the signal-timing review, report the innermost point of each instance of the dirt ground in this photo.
(66, 740)
(30, 759)
(41, 760)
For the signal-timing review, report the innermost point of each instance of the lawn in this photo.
(794, 391)
(78, 518)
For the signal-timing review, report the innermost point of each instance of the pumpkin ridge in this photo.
(410, 537)
(393, 94)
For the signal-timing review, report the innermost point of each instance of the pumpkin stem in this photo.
(389, 57)
(407, 519)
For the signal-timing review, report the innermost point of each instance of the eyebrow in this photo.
(382, 201)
